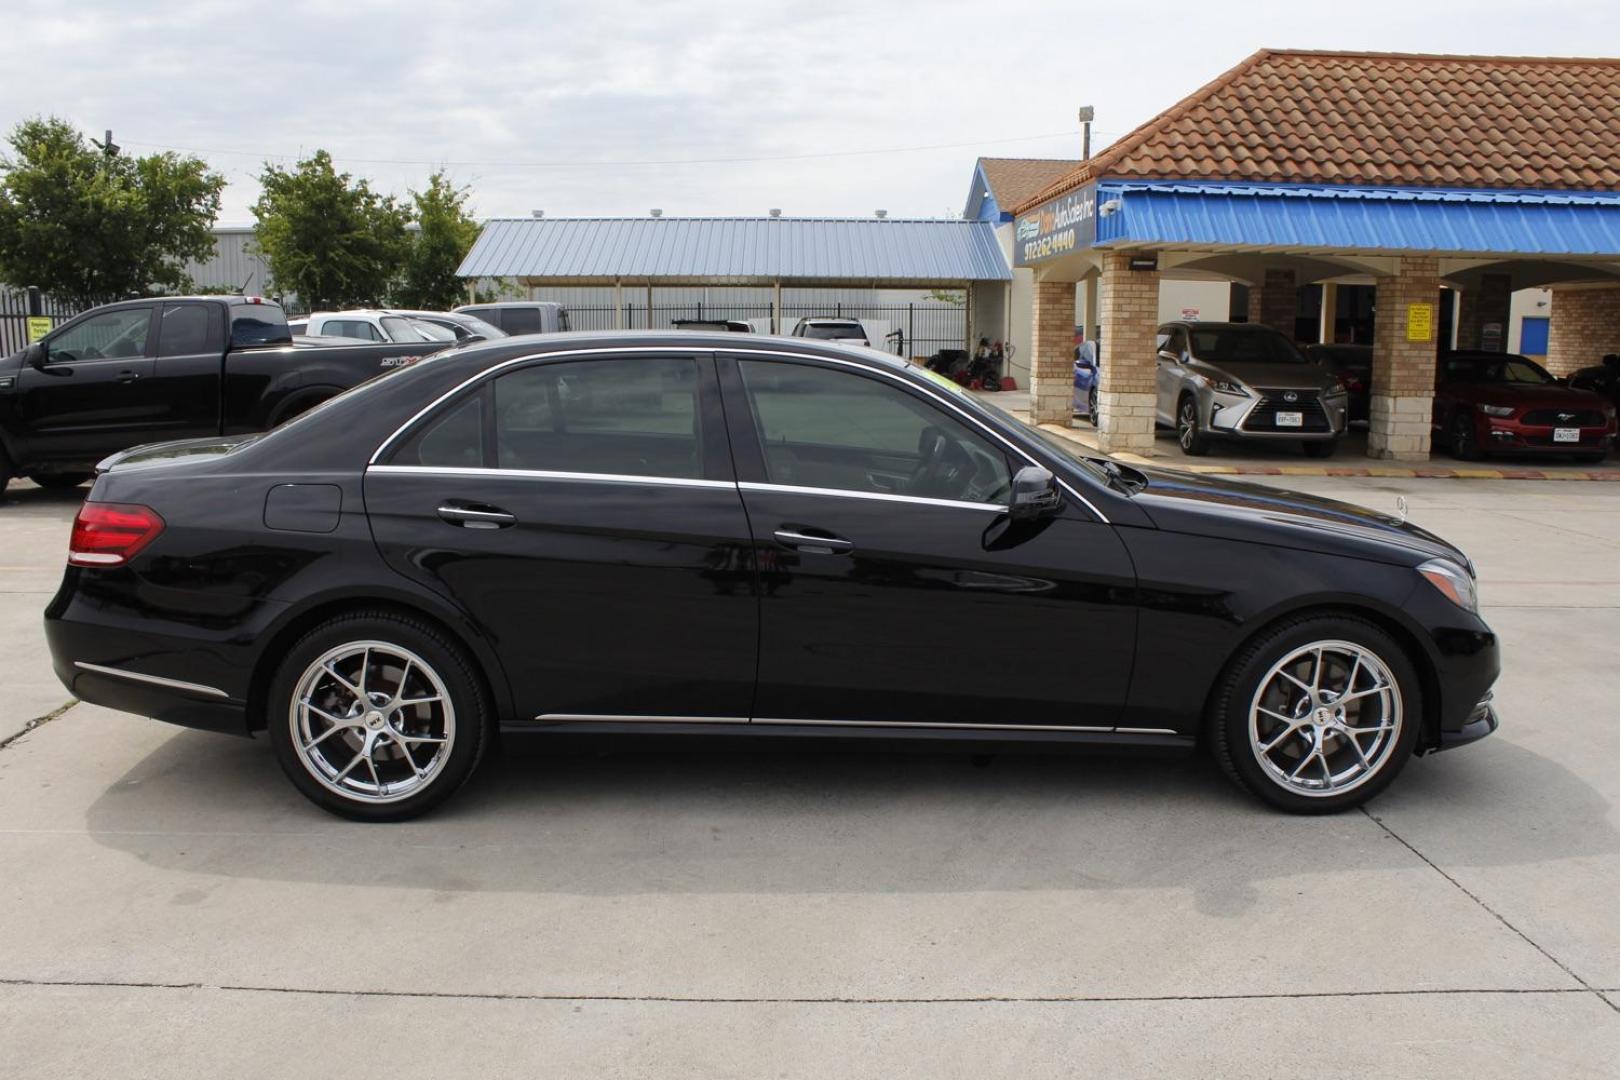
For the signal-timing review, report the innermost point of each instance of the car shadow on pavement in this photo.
(818, 821)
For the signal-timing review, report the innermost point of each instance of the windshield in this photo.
(1506, 369)
(833, 331)
(473, 324)
(1231, 344)
(432, 331)
(399, 329)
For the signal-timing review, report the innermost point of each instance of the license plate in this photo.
(1290, 419)
(1566, 434)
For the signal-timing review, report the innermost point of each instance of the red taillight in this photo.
(109, 534)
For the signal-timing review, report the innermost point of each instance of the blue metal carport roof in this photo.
(1309, 217)
(738, 251)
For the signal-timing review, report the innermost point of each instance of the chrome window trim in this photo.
(545, 474)
(155, 680)
(850, 493)
(740, 349)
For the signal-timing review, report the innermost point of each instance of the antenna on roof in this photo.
(776, 211)
(656, 212)
(537, 214)
(881, 214)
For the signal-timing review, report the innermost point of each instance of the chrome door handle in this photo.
(815, 545)
(129, 376)
(477, 519)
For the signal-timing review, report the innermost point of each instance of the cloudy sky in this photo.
(697, 107)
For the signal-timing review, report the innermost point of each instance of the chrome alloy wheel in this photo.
(1325, 719)
(372, 722)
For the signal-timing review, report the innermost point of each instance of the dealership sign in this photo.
(1057, 228)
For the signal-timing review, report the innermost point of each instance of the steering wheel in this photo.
(943, 470)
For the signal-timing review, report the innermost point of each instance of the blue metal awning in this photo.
(1319, 218)
(738, 250)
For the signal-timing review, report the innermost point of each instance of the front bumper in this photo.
(1506, 433)
(1480, 723)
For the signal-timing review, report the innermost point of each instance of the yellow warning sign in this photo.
(1419, 322)
(38, 327)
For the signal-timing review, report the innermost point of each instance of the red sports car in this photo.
(1497, 402)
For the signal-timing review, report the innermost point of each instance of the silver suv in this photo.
(1245, 381)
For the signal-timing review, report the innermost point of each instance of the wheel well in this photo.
(301, 401)
(276, 648)
(1428, 680)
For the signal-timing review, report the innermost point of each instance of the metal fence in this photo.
(912, 329)
(15, 312)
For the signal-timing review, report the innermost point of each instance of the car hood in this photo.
(170, 453)
(1528, 396)
(1211, 506)
(1275, 376)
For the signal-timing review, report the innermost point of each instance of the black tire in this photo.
(6, 472)
(1091, 405)
(1460, 437)
(1324, 448)
(1189, 432)
(455, 670)
(1591, 459)
(1236, 693)
(61, 481)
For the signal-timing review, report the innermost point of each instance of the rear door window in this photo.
(522, 321)
(188, 329)
(258, 324)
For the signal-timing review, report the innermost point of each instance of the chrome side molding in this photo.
(155, 680)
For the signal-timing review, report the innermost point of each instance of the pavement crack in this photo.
(1586, 987)
(38, 722)
(693, 999)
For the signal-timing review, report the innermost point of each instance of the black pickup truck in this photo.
(145, 371)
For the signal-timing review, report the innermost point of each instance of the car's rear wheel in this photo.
(1091, 405)
(61, 481)
(377, 716)
(1318, 714)
(1461, 437)
(1188, 431)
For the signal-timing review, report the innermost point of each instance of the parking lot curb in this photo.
(1397, 472)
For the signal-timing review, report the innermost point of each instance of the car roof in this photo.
(830, 319)
(509, 304)
(1206, 324)
(716, 340)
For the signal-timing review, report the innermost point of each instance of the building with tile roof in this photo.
(1453, 183)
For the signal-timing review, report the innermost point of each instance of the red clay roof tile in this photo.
(1287, 116)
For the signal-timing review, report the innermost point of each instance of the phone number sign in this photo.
(1060, 227)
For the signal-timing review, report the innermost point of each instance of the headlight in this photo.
(1227, 386)
(1496, 410)
(1452, 580)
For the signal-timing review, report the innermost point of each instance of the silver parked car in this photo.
(1245, 381)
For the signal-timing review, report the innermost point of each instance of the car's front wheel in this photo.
(1091, 406)
(1318, 714)
(1464, 447)
(1188, 430)
(377, 716)
(61, 481)
(1321, 448)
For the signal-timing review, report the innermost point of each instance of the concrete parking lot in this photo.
(173, 908)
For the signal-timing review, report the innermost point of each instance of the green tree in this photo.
(447, 234)
(85, 224)
(329, 237)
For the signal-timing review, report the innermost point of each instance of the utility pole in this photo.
(1087, 114)
(108, 147)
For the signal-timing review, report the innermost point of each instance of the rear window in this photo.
(258, 324)
(521, 321)
(834, 331)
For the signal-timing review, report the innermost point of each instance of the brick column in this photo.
(1403, 369)
(1486, 304)
(1051, 353)
(1127, 397)
(1279, 300)
(1584, 327)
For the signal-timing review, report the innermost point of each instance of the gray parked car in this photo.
(1245, 381)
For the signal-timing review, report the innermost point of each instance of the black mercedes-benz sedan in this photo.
(696, 534)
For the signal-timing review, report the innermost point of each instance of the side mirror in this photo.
(1034, 495)
(37, 356)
